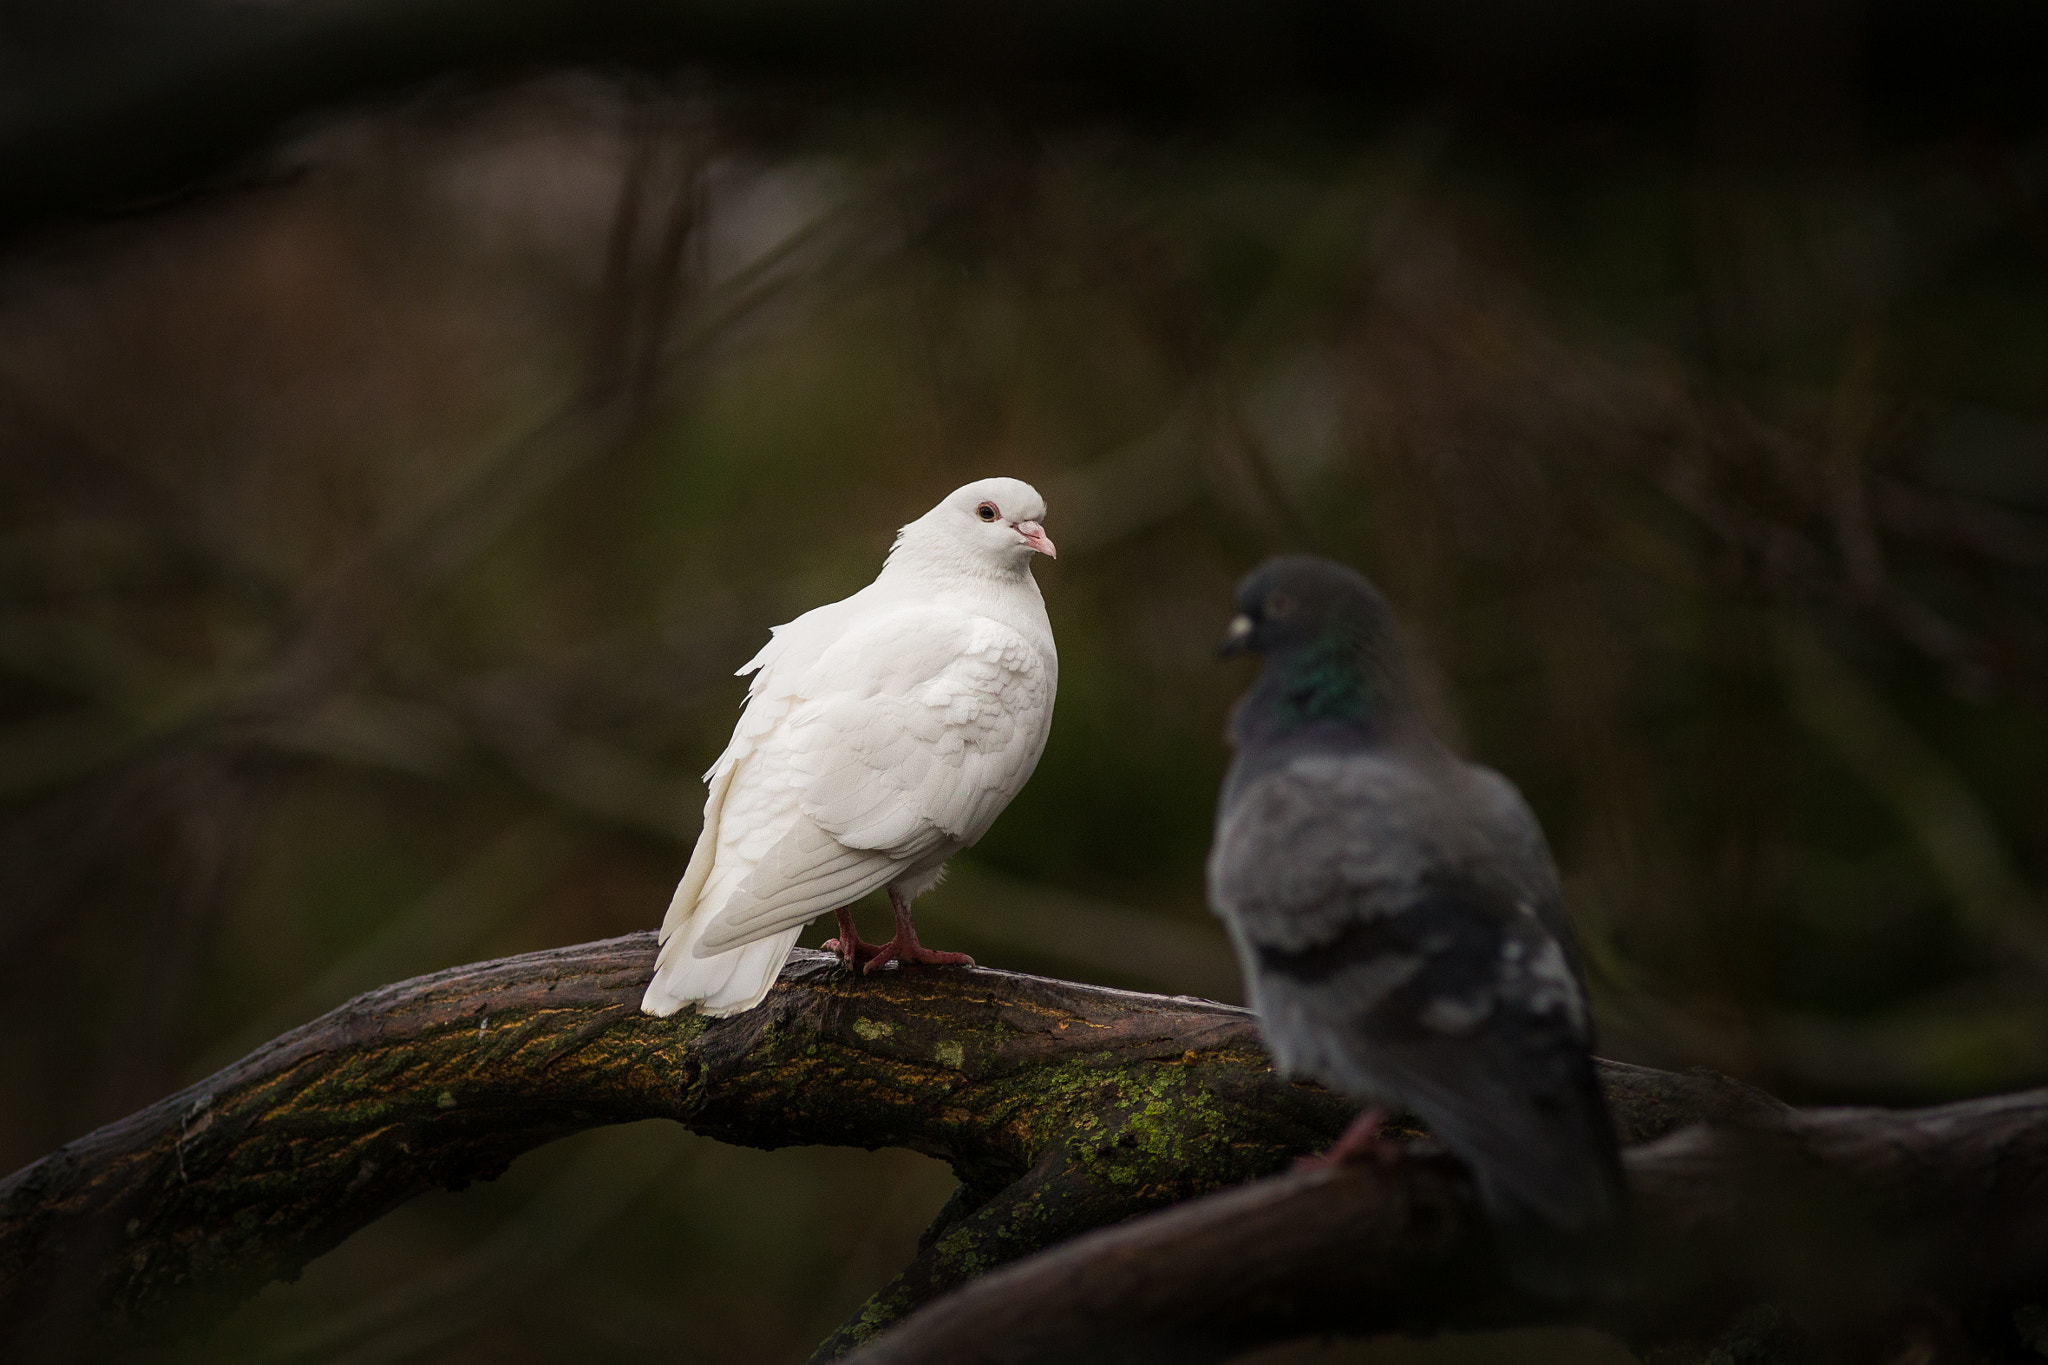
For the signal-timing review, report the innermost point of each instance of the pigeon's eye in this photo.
(987, 511)
(1279, 605)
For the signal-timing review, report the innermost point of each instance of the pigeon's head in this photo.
(1329, 641)
(993, 525)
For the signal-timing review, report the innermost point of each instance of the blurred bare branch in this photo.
(1931, 800)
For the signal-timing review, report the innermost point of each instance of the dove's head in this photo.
(1331, 648)
(990, 525)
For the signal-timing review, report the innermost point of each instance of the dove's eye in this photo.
(1279, 605)
(987, 511)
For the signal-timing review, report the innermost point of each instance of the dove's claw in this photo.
(852, 951)
(914, 954)
(904, 947)
(1360, 1142)
(927, 957)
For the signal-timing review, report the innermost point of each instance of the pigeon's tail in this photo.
(1551, 1184)
(1523, 1110)
(1586, 1261)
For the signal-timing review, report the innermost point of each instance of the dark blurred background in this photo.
(382, 516)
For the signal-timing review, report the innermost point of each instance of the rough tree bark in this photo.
(1062, 1107)
(1850, 1234)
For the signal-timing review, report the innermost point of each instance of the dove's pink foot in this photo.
(1360, 1142)
(906, 949)
(917, 954)
(852, 951)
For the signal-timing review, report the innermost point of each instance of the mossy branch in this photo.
(1790, 1236)
(159, 1223)
(1062, 1107)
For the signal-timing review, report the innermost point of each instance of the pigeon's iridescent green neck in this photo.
(1325, 680)
(1342, 686)
(1332, 683)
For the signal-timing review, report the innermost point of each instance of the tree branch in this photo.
(1858, 1233)
(1062, 1107)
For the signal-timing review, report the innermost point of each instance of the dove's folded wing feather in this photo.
(805, 874)
(933, 754)
(919, 727)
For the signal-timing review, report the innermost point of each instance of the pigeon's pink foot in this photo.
(852, 951)
(1360, 1142)
(906, 949)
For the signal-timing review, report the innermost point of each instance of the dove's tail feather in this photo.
(725, 983)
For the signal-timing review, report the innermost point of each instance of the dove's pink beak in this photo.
(1035, 536)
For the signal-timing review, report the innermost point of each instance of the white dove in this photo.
(881, 735)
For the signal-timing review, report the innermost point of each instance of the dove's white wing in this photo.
(920, 726)
(938, 749)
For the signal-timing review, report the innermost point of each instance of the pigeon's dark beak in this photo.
(1236, 639)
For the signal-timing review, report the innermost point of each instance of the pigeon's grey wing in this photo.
(1387, 961)
(1308, 863)
(1519, 854)
(1319, 845)
(1483, 1037)
(1462, 1010)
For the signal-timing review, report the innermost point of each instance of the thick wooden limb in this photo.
(1063, 1196)
(1063, 1107)
(1864, 1234)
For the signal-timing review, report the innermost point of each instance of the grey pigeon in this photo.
(1401, 929)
